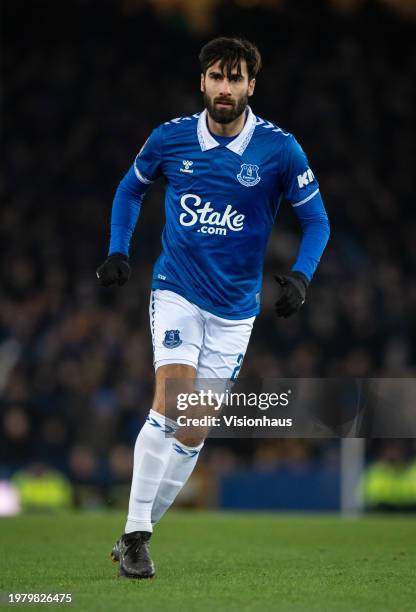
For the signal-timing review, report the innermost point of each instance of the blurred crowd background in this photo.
(84, 82)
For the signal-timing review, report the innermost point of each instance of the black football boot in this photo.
(132, 552)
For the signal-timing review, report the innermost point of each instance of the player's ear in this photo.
(202, 82)
(251, 86)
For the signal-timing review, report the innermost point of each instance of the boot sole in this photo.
(122, 574)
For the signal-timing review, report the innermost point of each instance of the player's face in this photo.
(226, 97)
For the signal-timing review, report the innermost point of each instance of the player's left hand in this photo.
(293, 293)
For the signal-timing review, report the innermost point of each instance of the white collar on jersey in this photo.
(240, 142)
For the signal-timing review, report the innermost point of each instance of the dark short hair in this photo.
(230, 51)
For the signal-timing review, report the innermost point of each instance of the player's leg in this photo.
(183, 453)
(184, 448)
(177, 332)
(152, 450)
(224, 345)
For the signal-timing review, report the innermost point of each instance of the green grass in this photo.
(217, 561)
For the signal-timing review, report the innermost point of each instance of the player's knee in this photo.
(171, 379)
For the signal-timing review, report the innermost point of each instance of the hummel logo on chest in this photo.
(187, 166)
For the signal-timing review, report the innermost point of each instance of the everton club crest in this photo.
(249, 175)
(172, 339)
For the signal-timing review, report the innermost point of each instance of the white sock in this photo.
(152, 452)
(181, 464)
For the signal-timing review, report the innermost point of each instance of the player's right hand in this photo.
(115, 269)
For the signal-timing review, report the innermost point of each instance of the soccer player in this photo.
(226, 173)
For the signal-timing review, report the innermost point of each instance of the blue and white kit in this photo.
(222, 198)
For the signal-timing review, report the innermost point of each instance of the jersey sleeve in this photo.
(129, 196)
(148, 162)
(301, 190)
(315, 229)
(299, 182)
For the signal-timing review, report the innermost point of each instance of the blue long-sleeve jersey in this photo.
(222, 197)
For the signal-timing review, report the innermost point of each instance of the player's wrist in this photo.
(118, 255)
(300, 277)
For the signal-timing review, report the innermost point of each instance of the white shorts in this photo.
(184, 333)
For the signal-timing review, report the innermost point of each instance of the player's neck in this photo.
(227, 129)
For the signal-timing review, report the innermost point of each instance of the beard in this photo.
(225, 115)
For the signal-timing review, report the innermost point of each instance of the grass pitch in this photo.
(218, 561)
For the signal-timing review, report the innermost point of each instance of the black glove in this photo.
(292, 295)
(115, 269)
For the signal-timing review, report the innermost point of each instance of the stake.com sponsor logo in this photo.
(212, 221)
